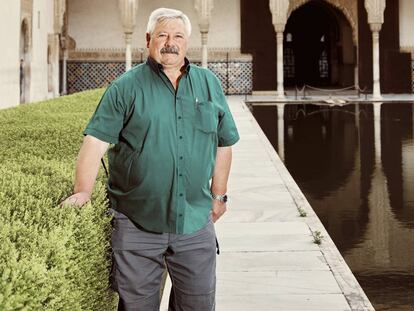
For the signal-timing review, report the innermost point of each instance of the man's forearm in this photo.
(87, 165)
(221, 170)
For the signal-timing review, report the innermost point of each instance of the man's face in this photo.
(168, 43)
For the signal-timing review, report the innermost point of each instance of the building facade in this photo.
(53, 47)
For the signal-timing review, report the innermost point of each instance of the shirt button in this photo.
(181, 194)
(180, 174)
(181, 137)
(181, 158)
(180, 215)
(179, 117)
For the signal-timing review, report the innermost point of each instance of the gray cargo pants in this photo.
(140, 258)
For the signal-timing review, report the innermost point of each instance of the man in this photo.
(172, 130)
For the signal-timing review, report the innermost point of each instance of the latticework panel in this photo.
(235, 77)
(412, 74)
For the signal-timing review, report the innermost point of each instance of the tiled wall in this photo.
(235, 76)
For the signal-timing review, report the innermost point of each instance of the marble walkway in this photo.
(268, 259)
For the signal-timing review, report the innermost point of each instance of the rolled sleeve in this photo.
(108, 119)
(226, 131)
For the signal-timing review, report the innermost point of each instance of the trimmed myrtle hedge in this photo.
(51, 257)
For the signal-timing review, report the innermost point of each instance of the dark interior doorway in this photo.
(318, 47)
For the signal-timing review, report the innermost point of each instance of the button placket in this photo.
(180, 165)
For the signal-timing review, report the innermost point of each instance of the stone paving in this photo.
(268, 259)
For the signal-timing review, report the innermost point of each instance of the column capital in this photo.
(375, 10)
(203, 9)
(279, 29)
(375, 27)
(128, 9)
(279, 10)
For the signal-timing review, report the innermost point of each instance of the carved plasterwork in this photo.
(375, 10)
(129, 10)
(203, 9)
(279, 10)
(347, 7)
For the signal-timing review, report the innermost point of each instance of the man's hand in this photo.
(77, 199)
(219, 208)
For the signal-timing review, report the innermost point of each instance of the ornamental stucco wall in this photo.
(41, 79)
(96, 24)
(406, 23)
(41, 28)
(9, 60)
(406, 31)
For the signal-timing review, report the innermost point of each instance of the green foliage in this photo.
(51, 257)
(317, 237)
(302, 212)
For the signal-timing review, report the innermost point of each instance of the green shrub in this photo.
(51, 257)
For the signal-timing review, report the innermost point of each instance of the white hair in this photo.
(162, 14)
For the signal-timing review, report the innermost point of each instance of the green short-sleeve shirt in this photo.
(164, 145)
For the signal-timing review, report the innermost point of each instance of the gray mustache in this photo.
(169, 50)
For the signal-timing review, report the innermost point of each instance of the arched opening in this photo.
(24, 62)
(318, 47)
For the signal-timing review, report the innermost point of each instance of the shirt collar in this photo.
(157, 67)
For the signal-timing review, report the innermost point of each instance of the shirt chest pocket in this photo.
(205, 117)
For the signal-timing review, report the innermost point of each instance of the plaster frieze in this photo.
(348, 7)
(375, 10)
(129, 10)
(203, 9)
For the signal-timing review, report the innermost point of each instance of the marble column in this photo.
(375, 10)
(128, 9)
(375, 28)
(203, 9)
(60, 31)
(279, 10)
(204, 54)
(280, 82)
(356, 71)
(128, 51)
(64, 72)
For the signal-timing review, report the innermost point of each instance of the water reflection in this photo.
(355, 165)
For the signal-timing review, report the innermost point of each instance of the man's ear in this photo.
(148, 38)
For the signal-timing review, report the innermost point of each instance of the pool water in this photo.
(355, 165)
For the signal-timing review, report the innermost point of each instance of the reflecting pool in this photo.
(355, 165)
